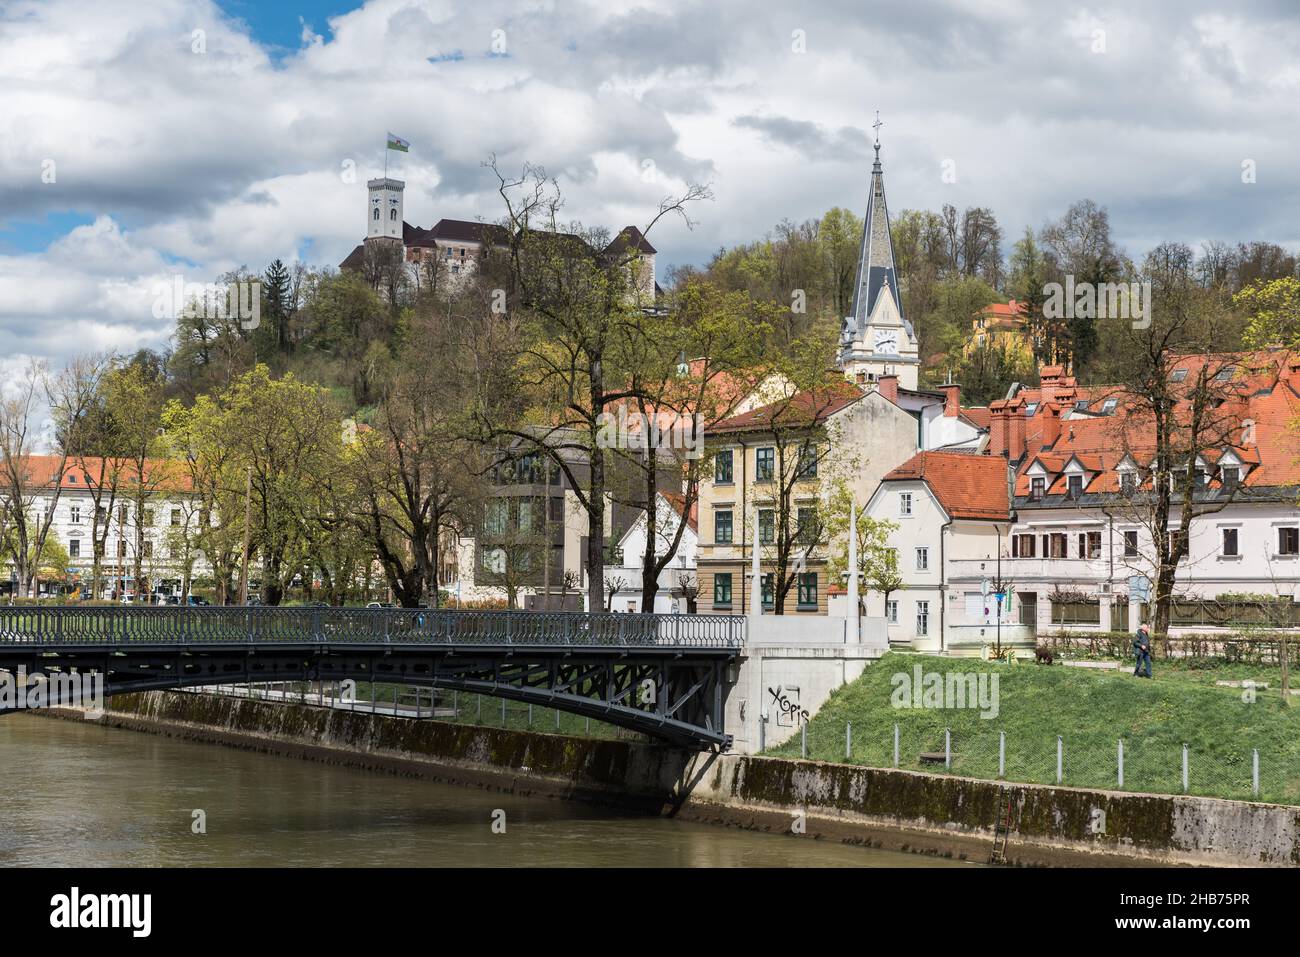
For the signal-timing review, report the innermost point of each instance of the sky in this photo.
(141, 142)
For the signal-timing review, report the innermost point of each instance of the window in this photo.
(806, 526)
(1108, 406)
(1130, 544)
(891, 611)
(376, 217)
(1022, 546)
(905, 503)
(1230, 542)
(1031, 408)
(1178, 376)
(147, 549)
(392, 214)
(1288, 541)
(147, 517)
(176, 517)
(722, 468)
(1074, 486)
(808, 590)
(1093, 545)
(722, 588)
(1036, 488)
(766, 526)
(1081, 405)
(1229, 477)
(74, 548)
(807, 462)
(74, 514)
(1054, 545)
(764, 464)
(1226, 373)
(922, 559)
(1127, 482)
(722, 527)
(768, 594)
(922, 617)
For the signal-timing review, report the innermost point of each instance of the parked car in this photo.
(197, 600)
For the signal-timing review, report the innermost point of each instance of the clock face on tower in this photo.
(887, 341)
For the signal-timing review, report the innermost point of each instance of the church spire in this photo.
(876, 272)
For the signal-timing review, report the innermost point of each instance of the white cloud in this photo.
(230, 158)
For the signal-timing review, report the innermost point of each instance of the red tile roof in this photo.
(84, 472)
(967, 486)
(1265, 392)
(810, 407)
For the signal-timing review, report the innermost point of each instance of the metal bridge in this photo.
(663, 675)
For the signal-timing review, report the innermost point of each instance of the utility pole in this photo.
(248, 509)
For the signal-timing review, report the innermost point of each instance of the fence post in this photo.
(762, 733)
(478, 709)
(803, 734)
(947, 748)
(1184, 769)
(1254, 772)
(848, 740)
(1002, 754)
(895, 745)
(557, 719)
(1121, 762)
(1060, 759)
(503, 712)
(530, 717)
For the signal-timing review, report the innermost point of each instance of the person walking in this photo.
(1142, 651)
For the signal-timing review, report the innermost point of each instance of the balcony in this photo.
(1062, 570)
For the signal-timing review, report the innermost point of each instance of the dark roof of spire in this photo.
(876, 256)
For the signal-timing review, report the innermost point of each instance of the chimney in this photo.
(1047, 426)
(951, 399)
(1007, 429)
(888, 386)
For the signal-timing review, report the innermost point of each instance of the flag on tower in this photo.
(399, 144)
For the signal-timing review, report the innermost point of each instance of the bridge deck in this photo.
(665, 675)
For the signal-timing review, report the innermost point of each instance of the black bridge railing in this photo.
(72, 625)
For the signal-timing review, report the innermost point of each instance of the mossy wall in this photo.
(901, 809)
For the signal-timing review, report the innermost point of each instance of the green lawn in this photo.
(1090, 710)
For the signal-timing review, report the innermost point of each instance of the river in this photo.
(83, 795)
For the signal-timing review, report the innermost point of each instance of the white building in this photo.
(952, 511)
(161, 534)
(678, 582)
(1071, 547)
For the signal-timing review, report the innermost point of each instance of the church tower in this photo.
(384, 217)
(877, 339)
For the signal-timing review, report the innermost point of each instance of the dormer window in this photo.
(1128, 482)
(1108, 406)
(1074, 486)
(1037, 486)
(1178, 376)
(1230, 476)
(1031, 408)
(1081, 405)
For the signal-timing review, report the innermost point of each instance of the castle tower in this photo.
(877, 339)
(385, 214)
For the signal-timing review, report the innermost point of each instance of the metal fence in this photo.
(1232, 770)
(63, 625)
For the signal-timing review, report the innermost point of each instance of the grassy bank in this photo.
(1091, 711)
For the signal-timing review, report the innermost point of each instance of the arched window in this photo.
(392, 213)
(376, 214)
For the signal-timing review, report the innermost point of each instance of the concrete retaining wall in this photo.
(899, 810)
